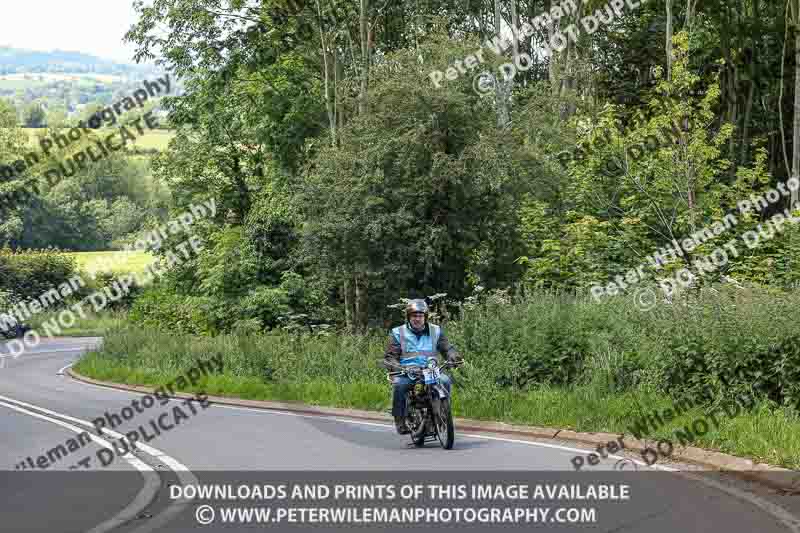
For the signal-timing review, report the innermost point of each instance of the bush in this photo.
(712, 344)
(726, 342)
(30, 273)
(265, 304)
(160, 308)
(106, 280)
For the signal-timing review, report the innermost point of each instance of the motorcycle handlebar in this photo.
(446, 364)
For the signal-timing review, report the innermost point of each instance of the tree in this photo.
(8, 114)
(793, 6)
(35, 116)
(57, 116)
(413, 190)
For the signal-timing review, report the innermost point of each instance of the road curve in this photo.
(44, 411)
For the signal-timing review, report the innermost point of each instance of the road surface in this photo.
(47, 418)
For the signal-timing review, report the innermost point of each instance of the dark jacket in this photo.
(391, 360)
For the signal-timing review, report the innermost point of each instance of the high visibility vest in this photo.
(416, 350)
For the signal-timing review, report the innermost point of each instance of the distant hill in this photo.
(66, 85)
(15, 60)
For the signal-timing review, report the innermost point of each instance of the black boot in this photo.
(400, 424)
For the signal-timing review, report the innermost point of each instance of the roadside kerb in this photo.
(771, 476)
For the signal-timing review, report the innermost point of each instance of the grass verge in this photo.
(93, 325)
(341, 371)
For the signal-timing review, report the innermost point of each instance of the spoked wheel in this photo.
(416, 422)
(445, 431)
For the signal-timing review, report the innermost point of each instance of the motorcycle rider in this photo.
(413, 343)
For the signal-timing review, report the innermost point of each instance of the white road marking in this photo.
(183, 473)
(784, 516)
(61, 371)
(38, 353)
(145, 495)
(389, 426)
(774, 510)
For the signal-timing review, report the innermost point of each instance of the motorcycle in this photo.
(428, 412)
(14, 332)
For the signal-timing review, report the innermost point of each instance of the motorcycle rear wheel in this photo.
(418, 435)
(416, 423)
(445, 431)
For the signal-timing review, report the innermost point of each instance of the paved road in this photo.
(43, 411)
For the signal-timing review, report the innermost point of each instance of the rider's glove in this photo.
(455, 357)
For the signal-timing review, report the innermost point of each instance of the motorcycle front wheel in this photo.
(445, 431)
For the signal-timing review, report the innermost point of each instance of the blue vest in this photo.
(416, 350)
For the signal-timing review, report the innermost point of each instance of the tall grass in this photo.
(91, 325)
(550, 360)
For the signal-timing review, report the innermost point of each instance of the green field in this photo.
(158, 139)
(117, 262)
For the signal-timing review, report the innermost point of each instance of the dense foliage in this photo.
(545, 359)
(346, 176)
(339, 162)
(98, 207)
(27, 275)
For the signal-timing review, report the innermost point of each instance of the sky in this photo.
(94, 27)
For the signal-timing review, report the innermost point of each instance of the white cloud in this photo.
(91, 26)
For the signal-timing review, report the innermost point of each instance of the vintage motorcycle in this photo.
(13, 332)
(428, 413)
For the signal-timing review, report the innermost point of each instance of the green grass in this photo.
(158, 139)
(118, 262)
(94, 325)
(342, 371)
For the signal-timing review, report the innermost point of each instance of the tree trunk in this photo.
(668, 44)
(337, 109)
(796, 139)
(514, 34)
(482, 23)
(362, 301)
(338, 75)
(748, 111)
(328, 68)
(568, 79)
(349, 307)
(734, 112)
(552, 71)
(364, 35)
(502, 88)
(689, 14)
